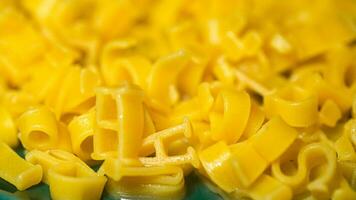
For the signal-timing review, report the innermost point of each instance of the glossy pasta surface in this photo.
(256, 97)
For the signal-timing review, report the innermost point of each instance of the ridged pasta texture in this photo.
(258, 97)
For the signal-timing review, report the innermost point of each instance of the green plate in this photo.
(195, 189)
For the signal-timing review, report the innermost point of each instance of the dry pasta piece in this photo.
(294, 105)
(7, 128)
(216, 160)
(106, 124)
(75, 181)
(267, 187)
(309, 157)
(116, 112)
(243, 155)
(38, 128)
(118, 65)
(229, 115)
(16, 170)
(316, 84)
(76, 91)
(81, 130)
(255, 121)
(158, 143)
(130, 110)
(273, 139)
(50, 159)
(162, 80)
(155, 181)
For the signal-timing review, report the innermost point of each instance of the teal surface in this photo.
(195, 190)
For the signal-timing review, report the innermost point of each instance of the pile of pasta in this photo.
(256, 96)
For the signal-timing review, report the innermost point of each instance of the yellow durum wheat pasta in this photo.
(256, 97)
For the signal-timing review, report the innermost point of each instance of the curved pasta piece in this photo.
(76, 88)
(118, 67)
(243, 154)
(196, 109)
(309, 157)
(192, 74)
(38, 129)
(64, 140)
(255, 121)
(229, 115)
(344, 145)
(294, 105)
(316, 84)
(162, 80)
(81, 130)
(273, 139)
(8, 128)
(216, 161)
(16, 170)
(63, 178)
(158, 181)
(267, 187)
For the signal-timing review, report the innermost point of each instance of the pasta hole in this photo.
(289, 168)
(39, 137)
(87, 145)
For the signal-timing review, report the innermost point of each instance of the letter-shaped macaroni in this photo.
(81, 130)
(50, 159)
(158, 143)
(309, 157)
(229, 115)
(273, 139)
(38, 129)
(157, 181)
(130, 112)
(294, 105)
(75, 181)
(117, 112)
(16, 170)
(162, 80)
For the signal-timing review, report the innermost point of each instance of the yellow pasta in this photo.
(7, 128)
(294, 105)
(257, 97)
(307, 160)
(159, 181)
(38, 129)
(63, 171)
(81, 130)
(18, 172)
(273, 139)
(63, 178)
